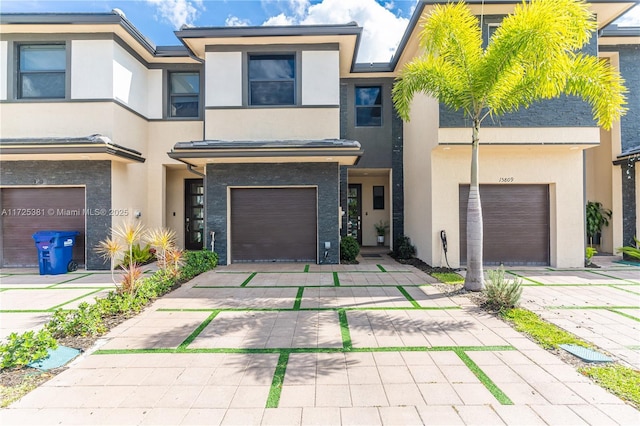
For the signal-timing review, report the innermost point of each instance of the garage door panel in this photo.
(61, 209)
(516, 224)
(273, 224)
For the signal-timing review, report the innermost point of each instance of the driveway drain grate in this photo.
(585, 354)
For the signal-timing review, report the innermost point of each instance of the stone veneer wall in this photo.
(323, 175)
(95, 176)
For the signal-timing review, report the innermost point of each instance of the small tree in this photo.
(533, 55)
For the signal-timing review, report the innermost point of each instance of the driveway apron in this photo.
(373, 343)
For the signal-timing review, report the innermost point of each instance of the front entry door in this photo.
(354, 221)
(193, 214)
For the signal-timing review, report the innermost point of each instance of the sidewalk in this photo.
(372, 343)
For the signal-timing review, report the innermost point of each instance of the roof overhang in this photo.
(629, 156)
(93, 23)
(346, 36)
(606, 12)
(200, 153)
(95, 147)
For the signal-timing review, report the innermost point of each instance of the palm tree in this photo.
(533, 55)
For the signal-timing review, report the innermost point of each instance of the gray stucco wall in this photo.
(323, 175)
(94, 175)
(376, 141)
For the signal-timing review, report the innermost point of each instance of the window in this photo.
(272, 80)
(369, 106)
(41, 71)
(184, 94)
(378, 197)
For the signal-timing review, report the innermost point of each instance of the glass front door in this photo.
(354, 214)
(194, 214)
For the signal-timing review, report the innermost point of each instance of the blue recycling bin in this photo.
(55, 251)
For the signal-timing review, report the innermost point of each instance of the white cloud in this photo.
(234, 21)
(178, 12)
(630, 19)
(382, 30)
(280, 19)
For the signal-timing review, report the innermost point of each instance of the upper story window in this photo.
(369, 106)
(41, 71)
(272, 79)
(184, 94)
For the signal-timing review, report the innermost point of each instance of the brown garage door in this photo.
(516, 224)
(28, 210)
(273, 224)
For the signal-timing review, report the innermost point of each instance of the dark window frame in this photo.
(20, 73)
(375, 106)
(171, 94)
(378, 200)
(293, 80)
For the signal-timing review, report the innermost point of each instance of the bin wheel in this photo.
(72, 266)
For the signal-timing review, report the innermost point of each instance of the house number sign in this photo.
(506, 179)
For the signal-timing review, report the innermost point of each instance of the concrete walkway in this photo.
(370, 344)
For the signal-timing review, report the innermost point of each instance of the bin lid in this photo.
(47, 235)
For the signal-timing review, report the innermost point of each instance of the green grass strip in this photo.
(523, 277)
(408, 297)
(484, 379)
(625, 289)
(624, 315)
(371, 308)
(74, 299)
(305, 350)
(612, 277)
(278, 379)
(336, 280)
(633, 347)
(296, 306)
(244, 284)
(197, 331)
(620, 380)
(381, 268)
(306, 268)
(344, 330)
(606, 308)
(69, 280)
(544, 333)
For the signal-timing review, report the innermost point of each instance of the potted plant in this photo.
(597, 217)
(381, 230)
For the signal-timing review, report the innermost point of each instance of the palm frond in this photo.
(431, 76)
(598, 83)
(452, 34)
(537, 42)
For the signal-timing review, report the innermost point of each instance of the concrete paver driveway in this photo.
(370, 344)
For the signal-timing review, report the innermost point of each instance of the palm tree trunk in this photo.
(474, 279)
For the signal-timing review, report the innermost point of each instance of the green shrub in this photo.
(197, 262)
(588, 255)
(349, 248)
(502, 293)
(403, 249)
(631, 251)
(86, 320)
(141, 255)
(22, 349)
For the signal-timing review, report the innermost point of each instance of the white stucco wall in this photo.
(4, 69)
(559, 167)
(272, 123)
(129, 81)
(91, 70)
(320, 78)
(420, 137)
(154, 94)
(223, 79)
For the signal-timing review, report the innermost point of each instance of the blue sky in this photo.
(384, 21)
